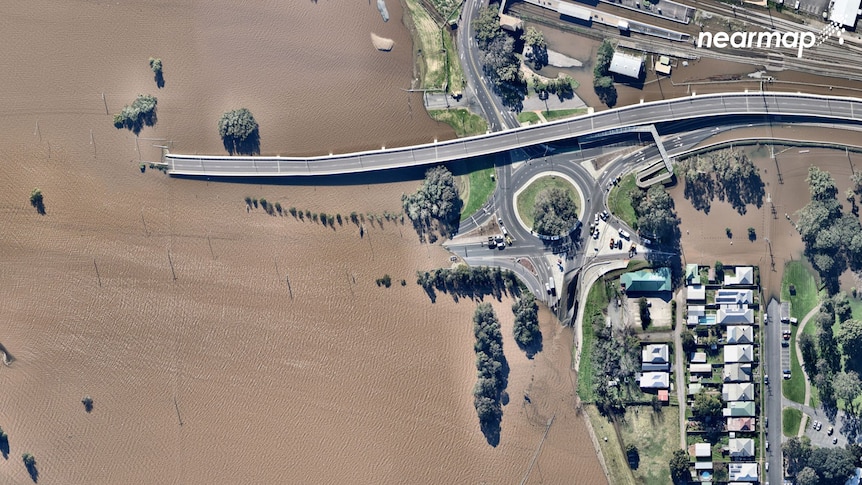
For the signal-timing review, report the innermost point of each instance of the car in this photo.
(766, 380)
(766, 423)
(786, 335)
(835, 440)
(767, 446)
(613, 243)
(620, 244)
(830, 431)
(646, 242)
(548, 288)
(787, 374)
(500, 221)
(625, 234)
(605, 215)
(596, 235)
(785, 343)
(767, 464)
(596, 218)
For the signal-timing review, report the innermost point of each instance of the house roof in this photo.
(655, 380)
(741, 447)
(695, 292)
(844, 12)
(702, 449)
(655, 353)
(744, 275)
(735, 315)
(742, 472)
(738, 353)
(700, 368)
(662, 395)
(736, 373)
(570, 10)
(691, 273)
(739, 409)
(737, 392)
(698, 357)
(734, 297)
(740, 334)
(694, 388)
(626, 64)
(647, 281)
(741, 424)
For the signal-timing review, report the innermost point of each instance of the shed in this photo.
(626, 65)
(696, 292)
(702, 450)
(700, 368)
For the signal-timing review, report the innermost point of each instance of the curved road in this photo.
(786, 107)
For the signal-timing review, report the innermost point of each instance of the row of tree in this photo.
(833, 239)
(435, 205)
(728, 174)
(526, 330)
(492, 371)
(468, 281)
(561, 87)
(603, 82)
(499, 62)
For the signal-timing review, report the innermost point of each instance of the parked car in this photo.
(767, 448)
(830, 430)
(766, 381)
(835, 440)
(613, 243)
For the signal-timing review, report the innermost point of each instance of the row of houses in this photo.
(730, 309)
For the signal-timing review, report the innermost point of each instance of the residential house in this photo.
(742, 472)
(744, 276)
(655, 380)
(738, 354)
(696, 315)
(691, 274)
(700, 368)
(736, 373)
(646, 281)
(734, 297)
(741, 447)
(735, 315)
(737, 392)
(738, 409)
(702, 450)
(655, 357)
(696, 292)
(744, 424)
(740, 334)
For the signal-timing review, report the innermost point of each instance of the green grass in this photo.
(856, 307)
(439, 58)
(612, 450)
(597, 302)
(556, 114)
(790, 419)
(528, 117)
(656, 436)
(463, 121)
(480, 186)
(527, 197)
(620, 203)
(796, 273)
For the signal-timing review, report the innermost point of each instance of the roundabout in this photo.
(523, 200)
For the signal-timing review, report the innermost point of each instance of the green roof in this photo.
(691, 273)
(647, 281)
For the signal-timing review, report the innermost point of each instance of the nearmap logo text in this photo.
(765, 40)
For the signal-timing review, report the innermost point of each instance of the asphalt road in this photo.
(785, 107)
(771, 364)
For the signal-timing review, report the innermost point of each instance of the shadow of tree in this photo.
(248, 146)
(160, 80)
(534, 347)
(4, 445)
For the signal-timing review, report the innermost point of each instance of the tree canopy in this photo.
(435, 200)
(537, 51)
(491, 369)
(707, 406)
(796, 452)
(656, 216)
(498, 58)
(603, 83)
(833, 465)
(679, 467)
(239, 132)
(142, 112)
(526, 329)
(554, 212)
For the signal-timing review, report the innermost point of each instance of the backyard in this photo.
(656, 435)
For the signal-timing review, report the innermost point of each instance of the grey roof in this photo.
(570, 10)
(844, 12)
(626, 65)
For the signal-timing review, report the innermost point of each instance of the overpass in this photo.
(784, 107)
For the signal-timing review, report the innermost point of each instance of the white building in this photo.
(734, 297)
(744, 276)
(736, 373)
(695, 292)
(741, 447)
(740, 334)
(742, 472)
(655, 357)
(738, 392)
(627, 65)
(735, 315)
(655, 380)
(738, 354)
(844, 12)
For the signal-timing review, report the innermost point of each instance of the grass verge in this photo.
(461, 120)
(796, 273)
(656, 436)
(556, 114)
(527, 197)
(437, 53)
(620, 203)
(480, 184)
(790, 419)
(528, 117)
(597, 302)
(612, 450)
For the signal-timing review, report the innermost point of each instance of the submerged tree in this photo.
(156, 66)
(142, 112)
(239, 132)
(37, 201)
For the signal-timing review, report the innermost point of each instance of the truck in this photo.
(552, 286)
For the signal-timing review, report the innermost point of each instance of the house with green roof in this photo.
(646, 281)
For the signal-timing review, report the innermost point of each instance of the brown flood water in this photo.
(272, 357)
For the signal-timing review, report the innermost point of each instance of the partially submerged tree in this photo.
(537, 47)
(526, 328)
(436, 200)
(239, 132)
(142, 112)
(603, 83)
(37, 201)
(156, 66)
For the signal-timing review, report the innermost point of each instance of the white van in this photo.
(625, 235)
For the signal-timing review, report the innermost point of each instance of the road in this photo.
(772, 397)
(786, 107)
